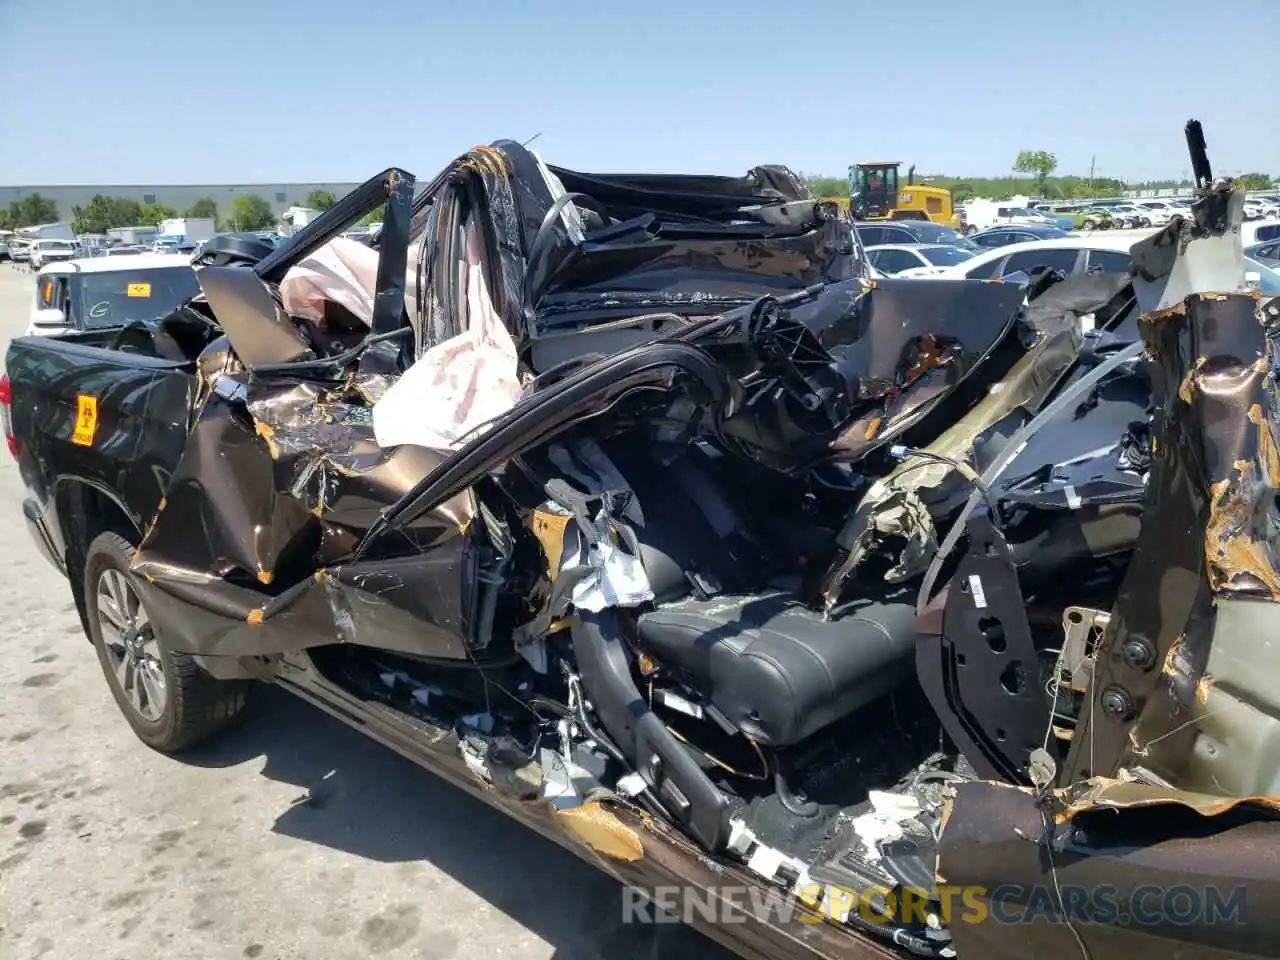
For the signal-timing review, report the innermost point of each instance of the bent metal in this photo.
(636, 506)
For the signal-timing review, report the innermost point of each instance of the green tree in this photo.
(1254, 181)
(1038, 163)
(153, 213)
(320, 200)
(103, 213)
(31, 210)
(250, 212)
(203, 209)
(826, 186)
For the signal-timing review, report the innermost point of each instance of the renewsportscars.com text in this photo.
(1007, 904)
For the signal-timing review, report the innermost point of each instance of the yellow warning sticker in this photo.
(139, 290)
(86, 421)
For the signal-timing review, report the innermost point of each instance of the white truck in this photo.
(190, 229)
(141, 236)
(47, 231)
(979, 214)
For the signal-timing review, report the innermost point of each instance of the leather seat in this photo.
(777, 671)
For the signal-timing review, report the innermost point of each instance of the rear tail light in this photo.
(6, 401)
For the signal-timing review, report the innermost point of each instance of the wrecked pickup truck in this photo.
(630, 505)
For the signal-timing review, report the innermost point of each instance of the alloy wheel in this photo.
(131, 645)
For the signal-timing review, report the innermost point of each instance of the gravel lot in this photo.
(292, 837)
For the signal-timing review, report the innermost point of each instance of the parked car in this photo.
(1256, 231)
(1063, 212)
(50, 251)
(977, 215)
(1105, 253)
(1093, 218)
(1270, 205)
(915, 259)
(1130, 216)
(910, 232)
(1265, 276)
(1157, 212)
(1267, 252)
(99, 292)
(1003, 236)
(665, 582)
(4, 249)
(1254, 209)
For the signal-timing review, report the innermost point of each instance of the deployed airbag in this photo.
(458, 385)
(342, 271)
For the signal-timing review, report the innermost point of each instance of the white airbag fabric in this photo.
(459, 384)
(345, 272)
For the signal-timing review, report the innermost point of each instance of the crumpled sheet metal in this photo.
(287, 474)
(257, 328)
(1122, 839)
(1192, 255)
(1242, 456)
(1105, 793)
(892, 506)
(907, 345)
(1215, 354)
(1210, 524)
(279, 490)
(711, 271)
(487, 169)
(221, 513)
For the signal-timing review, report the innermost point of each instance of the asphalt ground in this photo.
(290, 837)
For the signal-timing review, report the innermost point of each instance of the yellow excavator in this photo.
(875, 194)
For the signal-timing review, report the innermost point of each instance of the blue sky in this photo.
(179, 91)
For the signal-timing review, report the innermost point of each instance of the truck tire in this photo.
(170, 702)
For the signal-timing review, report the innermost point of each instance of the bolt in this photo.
(1117, 702)
(1138, 654)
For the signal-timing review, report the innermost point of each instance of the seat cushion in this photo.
(777, 671)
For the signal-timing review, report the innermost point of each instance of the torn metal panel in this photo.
(893, 506)
(279, 479)
(422, 605)
(1192, 256)
(1211, 527)
(907, 345)
(1096, 863)
(260, 332)
(623, 244)
(221, 513)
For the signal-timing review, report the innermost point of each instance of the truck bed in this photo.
(92, 424)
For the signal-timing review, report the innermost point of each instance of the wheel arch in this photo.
(84, 510)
